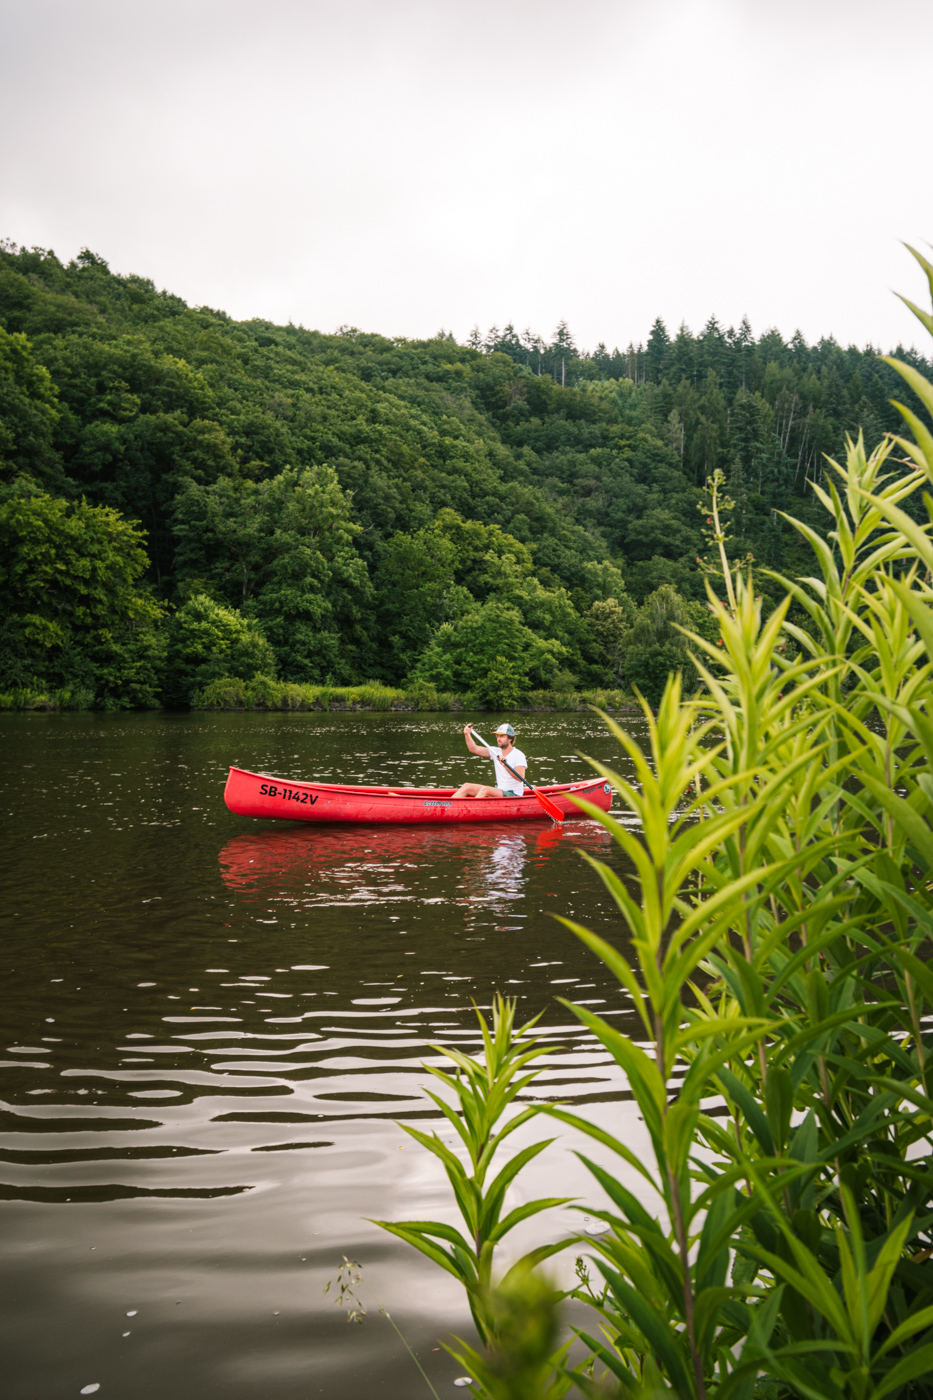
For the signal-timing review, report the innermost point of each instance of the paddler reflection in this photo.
(500, 877)
(477, 863)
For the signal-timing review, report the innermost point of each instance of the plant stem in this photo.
(414, 1358)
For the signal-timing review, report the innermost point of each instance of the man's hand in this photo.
(471, 744)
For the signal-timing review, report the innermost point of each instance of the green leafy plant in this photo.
(524, 1358)
(483, 1092)
(422, 694)
(208, 641)
(781, 1239)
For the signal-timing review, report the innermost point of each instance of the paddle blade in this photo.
(550, 807)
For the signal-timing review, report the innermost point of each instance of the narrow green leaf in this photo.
(520, 1213)
(428, 1248)
(600, 1135)
(917, 1322)
(918, 1363)
(654, 1326)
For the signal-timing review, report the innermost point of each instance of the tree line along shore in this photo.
(200, 511)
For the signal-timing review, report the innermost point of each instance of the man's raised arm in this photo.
(478, 749)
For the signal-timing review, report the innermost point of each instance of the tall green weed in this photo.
(773, 944)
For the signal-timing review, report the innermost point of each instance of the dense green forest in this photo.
(185, 497)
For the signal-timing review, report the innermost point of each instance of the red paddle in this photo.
(550, 807)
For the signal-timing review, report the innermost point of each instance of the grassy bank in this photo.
(23, 699)
(261, 693)
(264, 694)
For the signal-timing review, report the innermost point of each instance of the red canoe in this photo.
(260, 795)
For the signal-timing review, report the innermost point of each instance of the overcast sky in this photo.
(406, 165)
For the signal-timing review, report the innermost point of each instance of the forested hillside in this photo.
(184, 496)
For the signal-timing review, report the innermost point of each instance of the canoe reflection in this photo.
(481, 865)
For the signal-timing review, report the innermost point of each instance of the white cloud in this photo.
(406, 164)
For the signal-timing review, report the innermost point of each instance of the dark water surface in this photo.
(212, 1025)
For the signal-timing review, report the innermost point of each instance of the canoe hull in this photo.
(279, 799)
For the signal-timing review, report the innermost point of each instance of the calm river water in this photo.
(211, 1027)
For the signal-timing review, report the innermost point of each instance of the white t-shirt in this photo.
(504, 778)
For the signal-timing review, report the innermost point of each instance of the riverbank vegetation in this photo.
(768, 1213)
(186, 499)
(229, 693)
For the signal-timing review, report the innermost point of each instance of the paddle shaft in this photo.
(550, 807)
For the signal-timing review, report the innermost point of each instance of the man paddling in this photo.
(506, 784)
